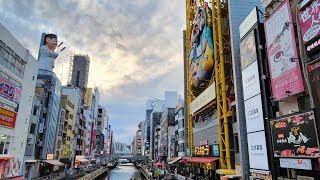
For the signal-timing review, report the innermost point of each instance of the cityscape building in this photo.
(18, 72)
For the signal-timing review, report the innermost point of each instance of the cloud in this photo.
(135, 47)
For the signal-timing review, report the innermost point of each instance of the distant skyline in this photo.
(135, 48)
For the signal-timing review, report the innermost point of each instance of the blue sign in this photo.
(188, 152)
(215, 150)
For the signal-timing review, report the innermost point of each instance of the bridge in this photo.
(131, 158)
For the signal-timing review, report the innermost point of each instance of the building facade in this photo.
(80, 70)
(18, 73)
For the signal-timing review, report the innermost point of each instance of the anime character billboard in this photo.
(201, 50)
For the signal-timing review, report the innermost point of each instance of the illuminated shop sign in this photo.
(295, 135)
(202, 150)
(7, 118)
(9, 91)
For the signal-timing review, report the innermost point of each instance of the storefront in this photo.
(295, 144)
(81, 161)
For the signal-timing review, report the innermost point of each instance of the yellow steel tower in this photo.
(222, 75)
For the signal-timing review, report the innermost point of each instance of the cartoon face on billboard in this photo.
(201, 51)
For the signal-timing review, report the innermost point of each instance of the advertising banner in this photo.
(248, 50)
(282, 54)
(248, 22)
(251, 81)
(314, 76)
(310, 21)
(9, 90)
(203, 99)
(295, 163)
(88, 97)
(258, 156)
(295, 135)
(254, 114)
(201, 50)
(7, 118)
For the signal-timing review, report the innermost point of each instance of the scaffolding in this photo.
(222, 76)
(70, 67)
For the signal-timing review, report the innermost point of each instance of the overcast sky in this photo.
(135, 47)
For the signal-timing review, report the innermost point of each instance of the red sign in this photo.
(310, 21)
(283, 60)
(204, 142)
(9, 90)
(7, 118)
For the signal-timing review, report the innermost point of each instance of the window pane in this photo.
(1, 147)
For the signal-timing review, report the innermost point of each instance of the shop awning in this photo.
(183, 160)
(174, 160)
(54, 162)
(6, 157)
(202, 159)
(82, 160)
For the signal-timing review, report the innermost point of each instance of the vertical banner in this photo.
(314, 75)
(282, 53)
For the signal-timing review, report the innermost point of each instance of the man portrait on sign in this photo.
(47, 55)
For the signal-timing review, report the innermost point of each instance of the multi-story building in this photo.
(67, 110)
(76, 94)
(59, 133)
(102, 123)
(90, 112)
(18, 74)
(167, 123)
(31, 164)
(137, 140)
(181, 130)
(80, 70)
(155, 121)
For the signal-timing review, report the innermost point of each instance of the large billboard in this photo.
(295, 135)
(201, 46)
(248, 50)
(282, 54)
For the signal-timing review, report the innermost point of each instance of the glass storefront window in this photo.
(5, 142)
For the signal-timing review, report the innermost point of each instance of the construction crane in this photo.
(222, 75)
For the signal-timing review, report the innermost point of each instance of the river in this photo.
(122, 172)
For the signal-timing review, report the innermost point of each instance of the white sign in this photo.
(304, 178)
(258, 151)
(254, 114)
(203, 99)
(248, 22)
(250, 81)
(296, 163)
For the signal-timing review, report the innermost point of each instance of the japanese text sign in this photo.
(309, 19)
(295, 135)
(9, 90)
(7, 118)
(283, 60)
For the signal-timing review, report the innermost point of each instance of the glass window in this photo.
(4, 144)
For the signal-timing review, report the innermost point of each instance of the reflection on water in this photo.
(122, 172)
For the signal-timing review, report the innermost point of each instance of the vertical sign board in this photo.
(295, 135)
(251, 81)
(254, 114)
(249, 21)
(314, 75)
(310, 28)
(258, 156)
(282, 53)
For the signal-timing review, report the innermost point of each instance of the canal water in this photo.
(122, 172)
